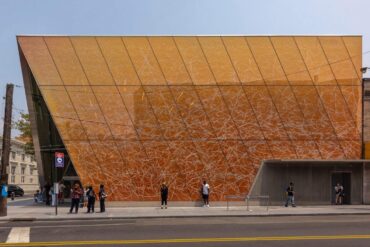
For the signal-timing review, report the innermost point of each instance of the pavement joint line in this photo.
(192, 240)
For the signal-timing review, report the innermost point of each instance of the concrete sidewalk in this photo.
(37, 212)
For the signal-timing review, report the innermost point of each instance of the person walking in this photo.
(164, 195)
(102, 196)
(90, 199)
(76, 194)
(290, 195)
(205, 190)
(339, 194)
(61, 188)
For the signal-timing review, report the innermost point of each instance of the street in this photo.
(223, 231)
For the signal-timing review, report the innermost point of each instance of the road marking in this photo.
(19, 235)
(191, 240)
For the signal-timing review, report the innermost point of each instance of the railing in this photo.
(247, 198)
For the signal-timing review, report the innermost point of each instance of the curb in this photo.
(173, 216)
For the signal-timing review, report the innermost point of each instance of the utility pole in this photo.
(6, 145)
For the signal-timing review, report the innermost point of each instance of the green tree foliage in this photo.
(24, 126)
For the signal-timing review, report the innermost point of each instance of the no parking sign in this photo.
(59, 160)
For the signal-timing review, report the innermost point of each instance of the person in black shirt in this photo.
(164, 195)
(90, 199)
(102, 196)
(290, 195)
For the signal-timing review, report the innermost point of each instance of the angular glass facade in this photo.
(133, 112)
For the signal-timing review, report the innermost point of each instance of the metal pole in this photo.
(6, 145)
(56, 189)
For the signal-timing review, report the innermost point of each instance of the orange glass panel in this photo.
(192, 112)
(141, 112)
(291, 60)
(66, 60)
(144, 60)
(338, 112)
(170, 60)
(92, 60)
(190, 169)
(266, 113)
(58, 101)
(115, 112)
(352, 96)
(315, 59)
(258, 150)
(118, 60)
(194, 60)
(290, 112)
(282, 149)
(85, 103)
(352, 149)
(218, 113)
(331, 150)
(307, 150)
(243, 60)
(70, 129)
(39, 60)
(354, 48)
(334, 48)
(166, 112)
(314, 113)
(218, 60)
(242, 112)
(97, 131)
(345, 73)
(267, 60)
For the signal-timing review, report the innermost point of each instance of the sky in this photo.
(172, 17)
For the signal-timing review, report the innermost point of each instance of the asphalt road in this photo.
(233, 231)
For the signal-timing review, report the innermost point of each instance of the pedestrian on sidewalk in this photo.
(290, 195)
(47, 188)
(76, 194)
(85, 197)
(339, 193)
(102, 196)
(90, 199)
(205, 190)
(164, 195)
(61, 188)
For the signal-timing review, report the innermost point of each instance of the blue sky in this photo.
(146, 17)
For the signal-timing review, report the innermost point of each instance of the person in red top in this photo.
(76, 194)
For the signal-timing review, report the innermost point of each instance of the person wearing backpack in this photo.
(102, 196)
(90, 199)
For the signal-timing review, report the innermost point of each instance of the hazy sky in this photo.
(146, 17)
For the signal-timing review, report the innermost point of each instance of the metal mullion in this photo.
(246, 96)
(74, 108)
(336, 80)
(319, 97)
(295, 97)
(92, 90)
(268, 90)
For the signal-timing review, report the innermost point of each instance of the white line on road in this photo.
(19, 235)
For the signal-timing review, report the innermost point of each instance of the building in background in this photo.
(22, 168)
(249, 114)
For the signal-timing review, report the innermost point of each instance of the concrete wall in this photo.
(313, 185)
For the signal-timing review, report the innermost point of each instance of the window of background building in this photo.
(13, 155)
(23, 157)
(12, 171)
(31, 180)
(22, 179)
(23, 170)
(12, 179)
(31, 170)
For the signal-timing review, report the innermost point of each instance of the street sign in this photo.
(59, 160)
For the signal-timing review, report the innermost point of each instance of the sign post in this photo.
(59, 163)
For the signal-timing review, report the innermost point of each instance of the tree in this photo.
(24, 126)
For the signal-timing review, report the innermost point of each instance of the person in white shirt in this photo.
(205, 193)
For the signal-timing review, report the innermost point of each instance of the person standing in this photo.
(47, 188)
(90, 199)
(61, 188)
(338, 194)
(164, 195)
(76, 194)
(102, 196)
(290, 195)
(205, 193)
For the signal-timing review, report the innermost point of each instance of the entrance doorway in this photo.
(344, 178)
